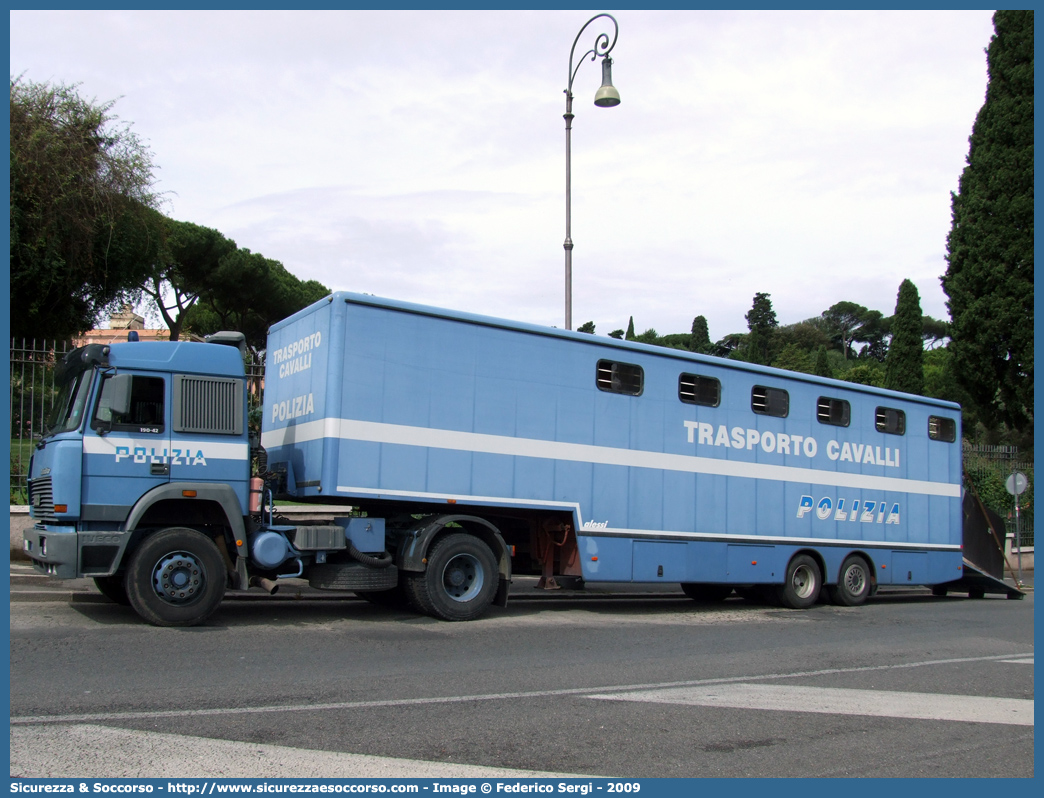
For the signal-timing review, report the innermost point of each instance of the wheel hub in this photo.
(803, 582)
(178, 577)
(854, 580)
(462, 578)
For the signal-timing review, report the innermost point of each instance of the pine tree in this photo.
(904, 365)
(629, 335)
(989, 278)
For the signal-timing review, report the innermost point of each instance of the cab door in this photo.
(125, 455)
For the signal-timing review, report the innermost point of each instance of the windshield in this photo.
(68, 408)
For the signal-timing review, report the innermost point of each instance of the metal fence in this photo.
(33, 392)
(987, 468)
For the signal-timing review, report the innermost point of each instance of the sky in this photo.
(420, 155)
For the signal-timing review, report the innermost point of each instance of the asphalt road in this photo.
(638, 685)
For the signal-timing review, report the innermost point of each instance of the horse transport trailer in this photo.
(488, 448)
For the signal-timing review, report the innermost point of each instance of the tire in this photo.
(853, 582)
(939, 590)
(176, 577)
(113, 588)
(706, 594)
(803, 583)
(460, 582)
(352, 576)
(976, 594)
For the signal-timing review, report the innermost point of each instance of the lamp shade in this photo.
(607, 96)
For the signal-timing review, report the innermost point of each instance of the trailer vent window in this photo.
(696, 390)
(942, 429)
(208, 404)
(770, 401)
(620, 377)
(890, 420)
(833, 411)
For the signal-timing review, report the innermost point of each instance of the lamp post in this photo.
(606, 97)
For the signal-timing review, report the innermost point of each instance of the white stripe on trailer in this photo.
(378, 432)
(658, 534)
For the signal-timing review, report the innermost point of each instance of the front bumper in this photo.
(64, 553)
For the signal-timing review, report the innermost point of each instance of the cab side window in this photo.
(146, 412)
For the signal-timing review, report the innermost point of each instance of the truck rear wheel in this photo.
(803, 583)
(853, 583)
(176, 577)
(460, 582)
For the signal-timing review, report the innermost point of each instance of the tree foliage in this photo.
(190, 258)
(822, 365)
(843, 321)
(84, 232)
(936, 331)
(762, 323)
(989, 276)
(904, 366)
(629, 335)
(793, 358)
(700, 336)
(249, 292)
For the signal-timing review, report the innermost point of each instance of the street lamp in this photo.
(606, 97)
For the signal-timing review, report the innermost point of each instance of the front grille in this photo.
(41, 498)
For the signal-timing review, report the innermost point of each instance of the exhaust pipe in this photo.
(265, 584)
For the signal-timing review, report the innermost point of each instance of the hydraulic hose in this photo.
(382, 560)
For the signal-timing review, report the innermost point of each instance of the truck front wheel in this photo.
(114, 587)
(176, 577)
(460, 581)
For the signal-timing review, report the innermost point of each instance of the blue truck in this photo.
(472, 449)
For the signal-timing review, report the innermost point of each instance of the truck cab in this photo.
(144, 437)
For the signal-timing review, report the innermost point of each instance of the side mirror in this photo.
(116, 397)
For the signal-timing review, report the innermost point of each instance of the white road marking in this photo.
(85, 751)
(842, 701)
(1022, 661)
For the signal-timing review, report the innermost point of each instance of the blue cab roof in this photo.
(187, 357)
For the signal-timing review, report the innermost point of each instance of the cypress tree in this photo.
(989, 277)
(700, 341)
(761, 320)
(904, 365)
(629, 335)
(822, 366)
